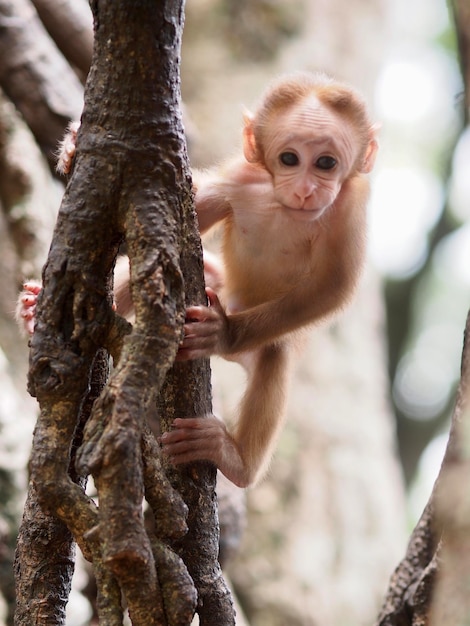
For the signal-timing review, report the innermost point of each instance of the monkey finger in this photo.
(202, 332)
(28, 314)
(196, 346)
(28, 300)
(192, 348)
(193, 439)
(214, 302)
(195, 330)
(190, 427)
(213, 311)
(175, 440)
(188, 456)
(29, 325)
(198, 314)
(182, 442)
(32, 287)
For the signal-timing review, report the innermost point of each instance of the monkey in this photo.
(292, 211)
(66, 149)
(25, 310)
(293, 214)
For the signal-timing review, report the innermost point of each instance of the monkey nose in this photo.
(304, 193)
(304, 189)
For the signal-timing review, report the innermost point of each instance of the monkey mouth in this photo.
(304, 213)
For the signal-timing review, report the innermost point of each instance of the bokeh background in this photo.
(372, 393)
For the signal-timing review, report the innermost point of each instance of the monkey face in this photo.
(309, 153)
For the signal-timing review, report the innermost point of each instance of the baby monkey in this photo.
(292, 209)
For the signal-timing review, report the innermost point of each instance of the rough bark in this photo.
(130, 182)
(199, 548)
(43, 566)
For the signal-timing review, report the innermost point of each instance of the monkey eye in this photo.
(326, 163)
(289, 158)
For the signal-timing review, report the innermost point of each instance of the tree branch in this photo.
(35, 76)
(70, 24)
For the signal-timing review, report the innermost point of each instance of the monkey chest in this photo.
(263, 263)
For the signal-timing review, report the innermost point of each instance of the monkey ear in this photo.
(371, 152)
(249, 142)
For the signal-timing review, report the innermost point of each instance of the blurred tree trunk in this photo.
(29, 198)
(431, 585)
(35, 76)
(461, 13)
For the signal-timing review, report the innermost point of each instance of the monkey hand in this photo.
(26, 306)
(66, 150)
(205, 330)
(204, 439)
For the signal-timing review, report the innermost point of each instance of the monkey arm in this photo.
(211, 201)
(209, 330)
(307, 303)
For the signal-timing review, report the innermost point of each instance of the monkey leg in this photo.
(262, 409)
(214, 273)
(243, 455)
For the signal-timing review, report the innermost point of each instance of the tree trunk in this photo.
(130, 183)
